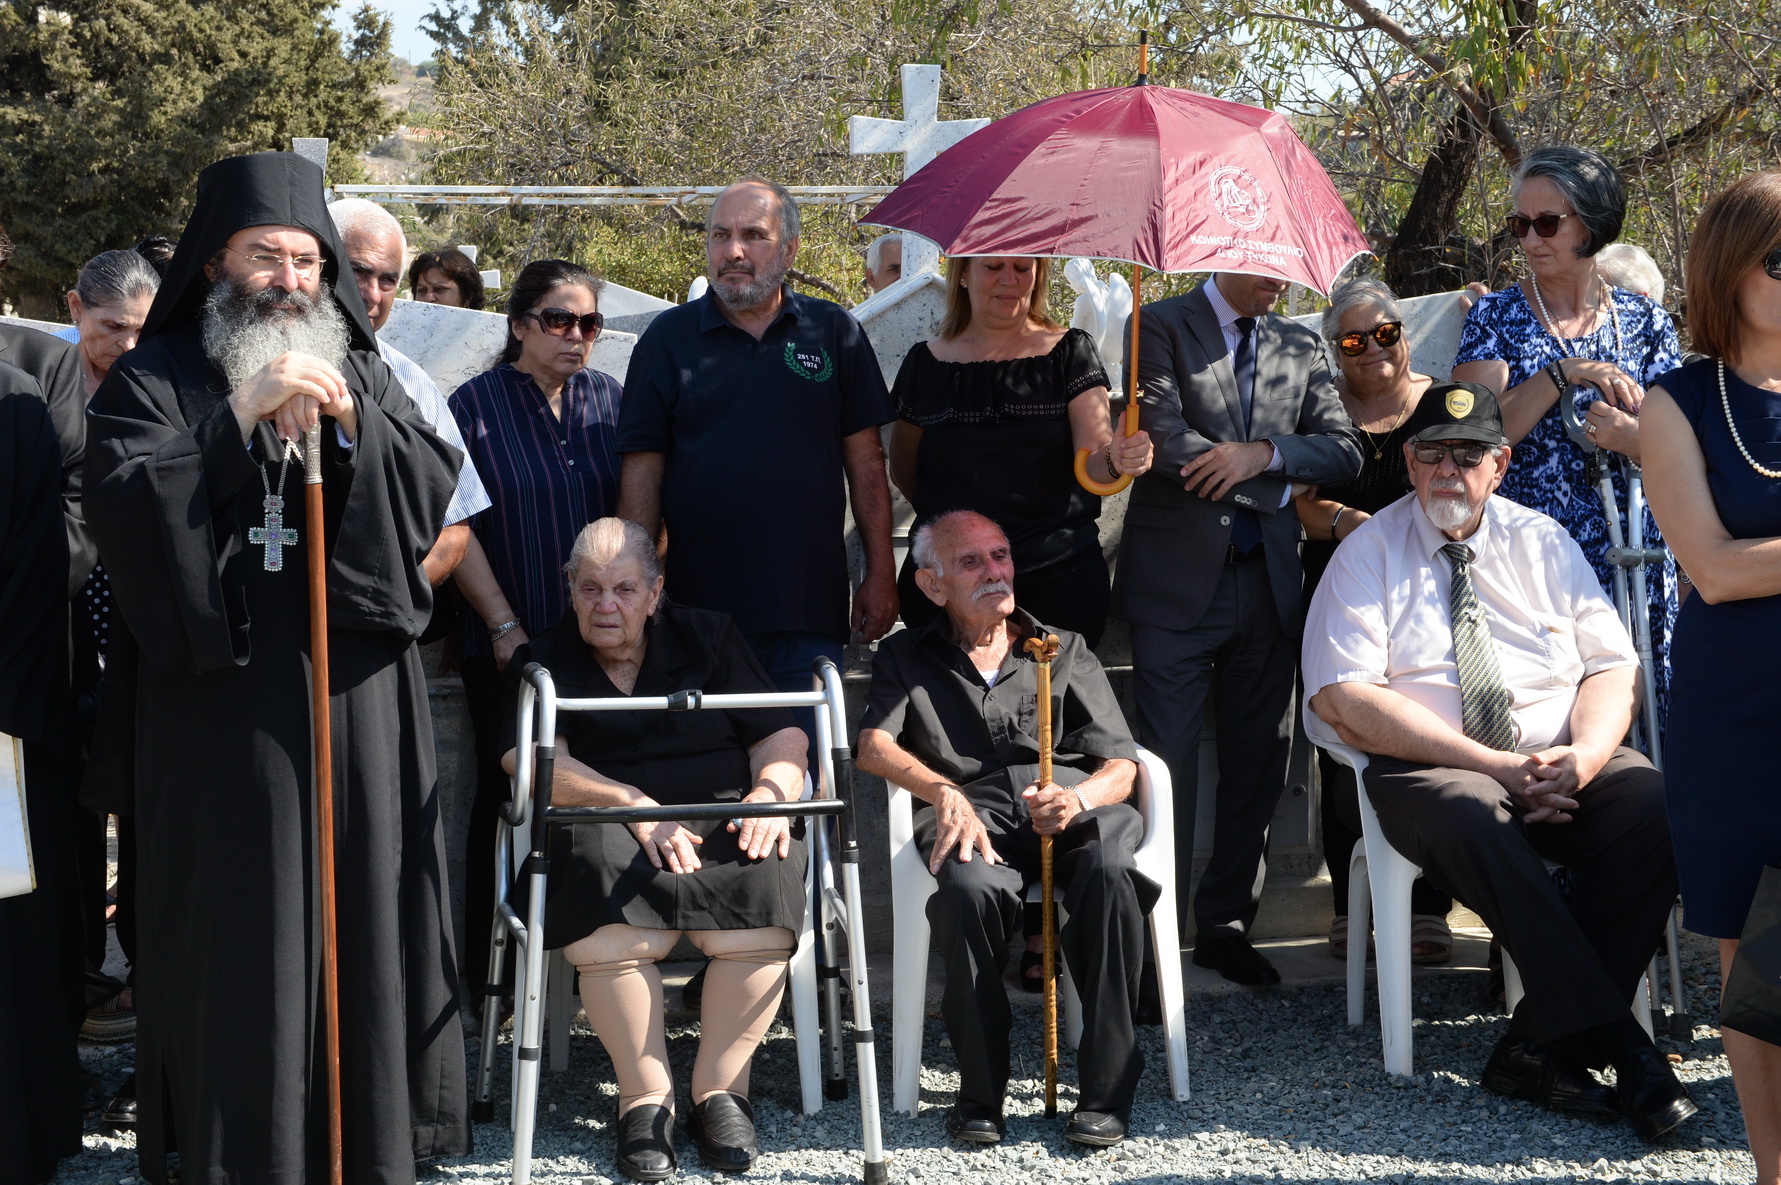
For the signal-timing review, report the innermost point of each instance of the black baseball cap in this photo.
(1458, 411)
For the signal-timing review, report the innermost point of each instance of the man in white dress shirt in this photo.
(1463, 643)
(376, 247)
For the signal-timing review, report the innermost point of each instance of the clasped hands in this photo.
(293, 391)
(1545, 785)
(1214, 472)
(1052, 808)
(671, 846)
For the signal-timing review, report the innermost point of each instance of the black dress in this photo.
(996, 439)
(599, 874)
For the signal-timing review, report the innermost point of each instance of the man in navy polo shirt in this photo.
(743, 410)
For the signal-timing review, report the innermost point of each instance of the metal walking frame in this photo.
(1629, 557)
(837, 916)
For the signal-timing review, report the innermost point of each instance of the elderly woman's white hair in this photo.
(1630, 266)
(1364, 292)
(606, 539)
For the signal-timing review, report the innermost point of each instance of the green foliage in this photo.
(110, 108)
(699, 92)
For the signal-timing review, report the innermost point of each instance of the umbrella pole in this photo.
(324, 780)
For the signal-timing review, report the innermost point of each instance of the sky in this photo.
(406, 38)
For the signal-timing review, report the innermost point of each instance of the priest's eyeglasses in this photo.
(1546, 225)
(556, 322)
(1355, 344)
(304, 265)
(1466, 456)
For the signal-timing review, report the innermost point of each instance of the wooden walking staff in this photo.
(1044, 651)
(323, 765)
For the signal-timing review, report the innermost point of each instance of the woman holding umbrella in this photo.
(990, 416)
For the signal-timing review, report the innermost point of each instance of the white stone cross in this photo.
(920, 136)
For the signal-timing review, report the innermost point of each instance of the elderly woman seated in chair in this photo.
(620, 897)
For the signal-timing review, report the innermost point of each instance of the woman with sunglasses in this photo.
(1713, 469)
(539, 427)
(1379, 390)
(1564, 329)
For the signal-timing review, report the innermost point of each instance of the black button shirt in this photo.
(753, 493)
(926, 693)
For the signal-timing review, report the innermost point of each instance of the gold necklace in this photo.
(1379, 446)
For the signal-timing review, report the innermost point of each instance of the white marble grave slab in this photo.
(1433, 324)
(907, 312)
(453, 345)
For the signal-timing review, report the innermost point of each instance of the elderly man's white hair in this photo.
(875, 249)
(921, 544)
(606, 539)
(1629, 266)
(357, 216)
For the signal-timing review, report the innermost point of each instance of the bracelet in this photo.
(1336, 518)
(505, 628)
(1556, 372)
(1082, 802)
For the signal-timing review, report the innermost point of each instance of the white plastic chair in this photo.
(1377, 866)
(912, 885)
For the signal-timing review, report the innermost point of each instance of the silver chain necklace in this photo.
(273, 535)
(1725, 403)
(1551, 323)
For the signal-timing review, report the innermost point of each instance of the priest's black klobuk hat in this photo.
(261, 189)
(1457, 411)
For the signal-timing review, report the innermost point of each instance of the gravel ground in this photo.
(1283, 1090)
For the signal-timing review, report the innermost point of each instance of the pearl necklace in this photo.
(1551, 323)
(1726, 404)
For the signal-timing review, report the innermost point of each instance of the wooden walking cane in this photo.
(323, 764)
(1044, 651)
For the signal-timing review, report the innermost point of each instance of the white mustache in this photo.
(1453, 486)
(998, 588)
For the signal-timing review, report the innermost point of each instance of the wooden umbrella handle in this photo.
(323, 765)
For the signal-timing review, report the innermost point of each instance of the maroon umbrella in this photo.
(1169, 179)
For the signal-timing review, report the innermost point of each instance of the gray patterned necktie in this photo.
(1484, 701)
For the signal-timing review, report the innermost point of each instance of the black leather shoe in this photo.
(1654, 1101)
(120, 1112)
(1522, 1068)
(1098, 1129)
(646, 1143)
(723, 1128)
(974, 1125)
(1232, 956)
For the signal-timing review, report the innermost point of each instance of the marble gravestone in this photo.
(453, 344)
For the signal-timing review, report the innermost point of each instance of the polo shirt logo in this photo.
(816, 367)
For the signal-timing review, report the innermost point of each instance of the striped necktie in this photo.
(1484, 701)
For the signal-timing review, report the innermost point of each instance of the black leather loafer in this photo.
(1235, 958)
(973, 1125)
(723, 1128)
(1097, 1129)
(1655, 1102)
(1522, 1068)
(646, 1143)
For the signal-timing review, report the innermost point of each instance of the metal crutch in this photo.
(1629, 557)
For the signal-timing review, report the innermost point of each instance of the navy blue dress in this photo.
(1723, 791)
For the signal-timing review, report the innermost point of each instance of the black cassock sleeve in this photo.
(166, 469)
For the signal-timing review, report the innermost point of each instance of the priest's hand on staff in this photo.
(292, 390)
(1052, 807)
(960, 828)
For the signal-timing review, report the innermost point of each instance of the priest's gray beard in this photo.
(243, 331)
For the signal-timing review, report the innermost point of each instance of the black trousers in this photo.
(486, 699)
(1580, 958)
(977, 909)
(1341, 831)
(1241, 657)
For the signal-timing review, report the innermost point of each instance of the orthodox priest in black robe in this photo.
(256, 330)
(40, 950)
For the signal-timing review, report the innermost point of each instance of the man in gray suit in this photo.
(1242, 411)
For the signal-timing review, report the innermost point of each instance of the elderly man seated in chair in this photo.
(952, 717)
(1463, 642)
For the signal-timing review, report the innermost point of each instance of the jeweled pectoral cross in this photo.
(275, 536)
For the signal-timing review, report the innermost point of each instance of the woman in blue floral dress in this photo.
(1606, 344)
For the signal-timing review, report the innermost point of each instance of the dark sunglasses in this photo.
(1355, 344)
(1772, 263)
(557, 322)
(1466, 456)
(1546, 225)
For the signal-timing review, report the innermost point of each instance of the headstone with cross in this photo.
(920, 136)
